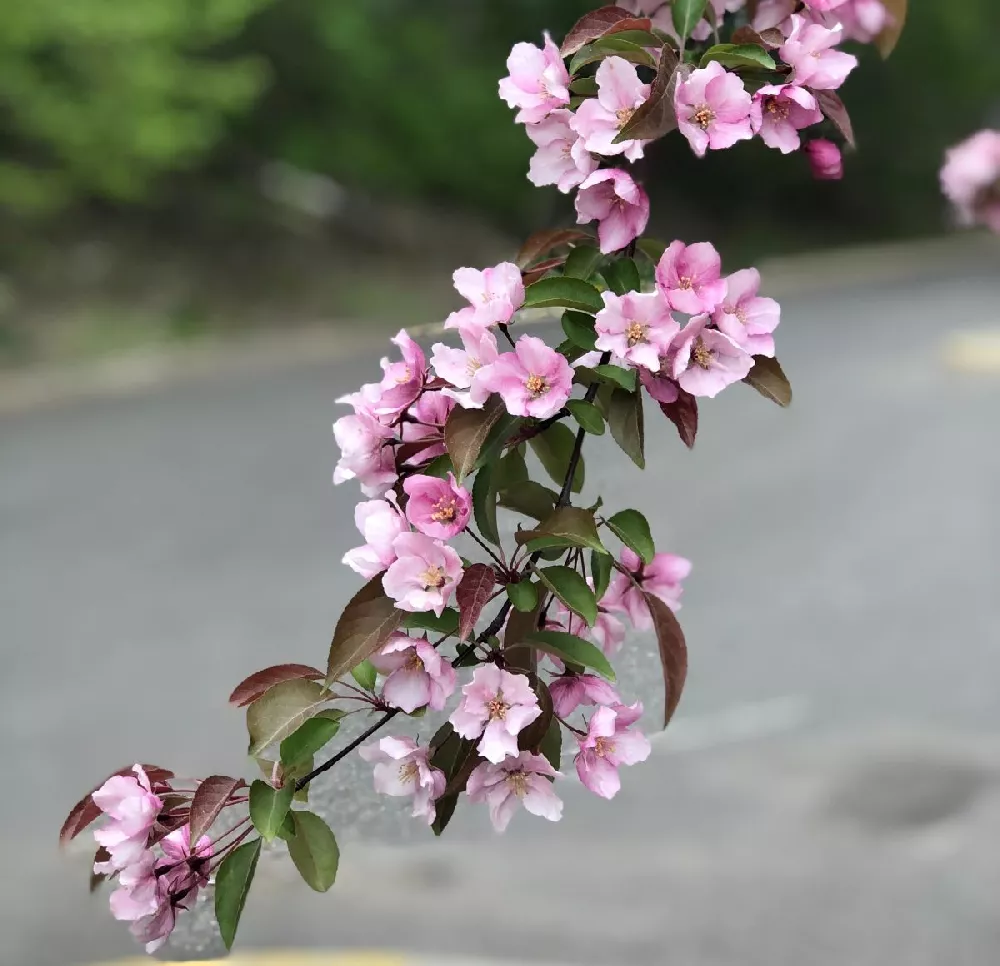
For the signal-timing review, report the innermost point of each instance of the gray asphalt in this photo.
(829, 795)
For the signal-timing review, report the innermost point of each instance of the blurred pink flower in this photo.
(825, 160)
(523, 779)
(811, 51)
(497, 705)
(971, 179)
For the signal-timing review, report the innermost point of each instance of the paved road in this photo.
(829, 796)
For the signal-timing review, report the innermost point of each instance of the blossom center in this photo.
(536, 386)
(414, 663)
(604, 747)
(518, 782)
(635, 333)
(408, 772)
(703, 117)
(444, 510)
(497, 708)
(433, 577)
(701, 354)
(624, 116)
(777, 109)
(472, 366)
(685, 283)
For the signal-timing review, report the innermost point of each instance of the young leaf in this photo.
(456, 757)
(531, 737)
(611, 47)
(484, 504)
(769, 379)
(269, 806)
(581, 262)
(447, 623)
(523, 595)
(625, 378)
(579, 329)
(519, 625)
(530, 498)
(836, 113)
(439, 467)
(626, 424)
(574, 526)
(365, 675)
(587, 415)
(599, 23)
(273, 717)
(473, 594)
(560, 292)
(232, 885)
(734, 56)
(572, 590)
(250, 689)
(208, 802)
(368, 621)
(652, 248)
(569, 647)
(656, 117)
(314, 851)
(631, 528)
(887, 40)
(554, 449)
(622, 276)
(548, 240)
(673, 654)
(686, 14)
(551, 746)
(683, 413)
(466, 431)
(315, 734)
(600, 572)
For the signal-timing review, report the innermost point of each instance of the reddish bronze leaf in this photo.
(769, 39)
(209, 800)
(656, 117)
(836, 112)
(599, 23)
(250, 689)
(673, 654)
(531, 275)
(887, 40)
(473, 594)
(466, 431)
(367, 622)
(768, 378)
(683, 413)
(547, 240)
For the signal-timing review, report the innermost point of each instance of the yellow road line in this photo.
(974, 351)
(292, 957)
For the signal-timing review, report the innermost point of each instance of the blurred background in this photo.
(174, 173)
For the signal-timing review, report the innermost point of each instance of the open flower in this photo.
(706, 361)
(613, 199)
(534, 379)
(425, 425)
(811, 52)
(524, 779)
(538, 82)
(364, 455)
(662, 578)
(569, 691)
(497, 705)
(599, 120)
(463, 368)
(636, 328)
(690, 277)
(416, 675)
(495, 293)
(439, 508)
(424, 574)
(403, 768)
(713, 109)
(745, 317)
(780, 112)
(608, 745)
(132, 810)
(562, 158)
(380, 522)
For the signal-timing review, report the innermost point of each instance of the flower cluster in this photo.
(971, 179)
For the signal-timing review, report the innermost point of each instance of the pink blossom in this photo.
(523, 779)
(137, 895)
(862, 20)
(562, 159)
(364, 455)
(825, 160)
(424, 574)
(569, 691)
(185, 869)
(534, 379)
(538, 82)
(463, 368)
(810, 50)
(496, 705)
(690, 277)
(425, 425)
(417, 676)
(439, 508)
(402, 381)
(608, 633)
(402, 768)
(611, 197)
(495, 293)
(970, 179)
(775, 15)
(747, 318)
(657, 10)
(608, 745)
(661, 387)
(599, 120)
(380, 522)
(154, 930)
(780, 112)
(637, 328)
(132, 810)
(662, 578)
(706, 361)
(713, 109)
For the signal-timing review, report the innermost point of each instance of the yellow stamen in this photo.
(536, 386)
(701, 354)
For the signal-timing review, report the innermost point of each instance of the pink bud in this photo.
(825, 159)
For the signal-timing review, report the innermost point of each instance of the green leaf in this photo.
(622, 276)
(587, 415)
(585, 87)
(687, 13)
(611, 47)
(572, 590)
(439, 467)
(582, 261)
(311, 737)
(626, 378)
(530, 498)
(512, 469)
(652, 248)
(579, 329)
(554, 448)
(282, 710)
(368, 621)
(365, 675)
(314, 851)
(631, 527)
(466, 432)
(523, 595)
(551, 746)
(561, 292)
(626, 424)
(735, 56)
(769, 379)
(576, 650)
(456, 757)
(600, 572)
(643, 38)
(484, 504)
(568, 526)
(269, 806)
(287, 829)
(447, 623)
(232, 885)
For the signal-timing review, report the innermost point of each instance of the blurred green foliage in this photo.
(398, 98)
